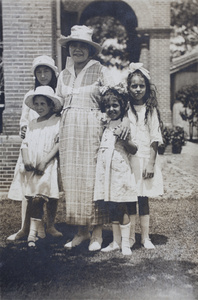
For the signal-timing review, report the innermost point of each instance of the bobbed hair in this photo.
(121, 98)
(92, 50)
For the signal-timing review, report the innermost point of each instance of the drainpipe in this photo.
(58, 33)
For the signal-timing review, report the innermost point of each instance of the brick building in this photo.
(32, 27)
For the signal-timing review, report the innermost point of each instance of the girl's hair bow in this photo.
(139, 66)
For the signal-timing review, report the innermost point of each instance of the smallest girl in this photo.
(45, 72)
(39, 154)
(115, 183)
(144, 115)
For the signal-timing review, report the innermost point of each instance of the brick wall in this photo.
(9, 152)
(27, 33)
(160, 56)
(159, 67)
(157, 56)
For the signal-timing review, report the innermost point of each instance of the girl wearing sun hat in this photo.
(80, 132)
(45, 72)
(15, 191)
(39, 176)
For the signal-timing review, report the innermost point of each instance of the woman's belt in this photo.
(81, 108)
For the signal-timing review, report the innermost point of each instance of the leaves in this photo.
(184, 22)
(188, 96)
(112, 35)
(173, 135)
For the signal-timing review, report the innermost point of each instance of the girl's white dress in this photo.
(41, 137)
(146, 134)
(114, 178)
(15, 193)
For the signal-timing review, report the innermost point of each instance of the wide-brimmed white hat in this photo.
(44, 60)
(81, 34)
(43, 91)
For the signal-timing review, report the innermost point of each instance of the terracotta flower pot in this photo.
(176, 148)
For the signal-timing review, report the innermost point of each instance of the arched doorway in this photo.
(119, 12)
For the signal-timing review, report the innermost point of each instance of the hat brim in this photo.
(65, 40)
(31, 94)
(54, 68)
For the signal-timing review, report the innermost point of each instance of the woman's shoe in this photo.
(95, 244)
(112, 247)
(17, 236)
(77, 240)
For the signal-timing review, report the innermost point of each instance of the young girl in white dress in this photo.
(115, 182)
(39, 169)
(145, 117)
(45, 73)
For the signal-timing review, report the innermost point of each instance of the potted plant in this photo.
(166, 136)
(177, 139)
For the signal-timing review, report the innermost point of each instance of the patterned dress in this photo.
(41, 137)
(146, 134)
(80, 134)
(115, 180)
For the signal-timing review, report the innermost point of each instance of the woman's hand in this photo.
(148, 172)
(23, 131)
(123, 130)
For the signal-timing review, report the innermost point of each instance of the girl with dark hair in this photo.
(45, 73)
(144, 115)
(115, 182)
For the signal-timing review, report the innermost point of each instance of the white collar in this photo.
(70, 65)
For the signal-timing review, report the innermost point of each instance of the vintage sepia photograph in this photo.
(99, 150)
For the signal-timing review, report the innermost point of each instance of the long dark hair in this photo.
(52, 83)
(150, 97)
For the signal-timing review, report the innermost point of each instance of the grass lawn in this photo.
(170, 272)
